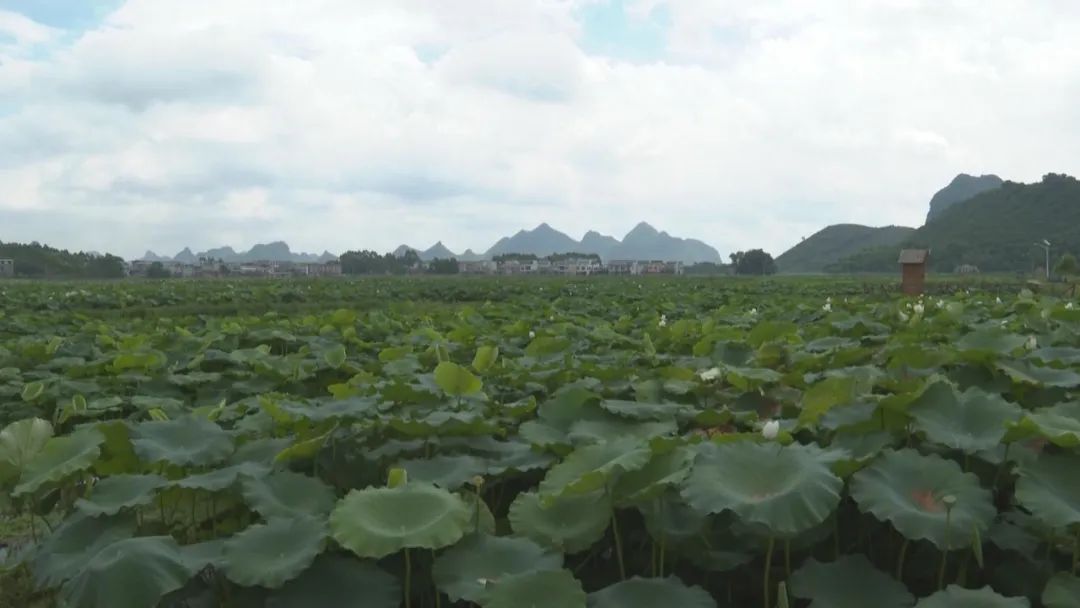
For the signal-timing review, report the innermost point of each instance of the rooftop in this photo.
(914, 256)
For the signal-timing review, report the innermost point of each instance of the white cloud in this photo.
(338, 124)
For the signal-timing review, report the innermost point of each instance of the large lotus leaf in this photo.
(450, 471)
(1059, 423)
(75, 543)
(1050, 490)
(329, 409)
(1037, 375)
(909, 490)
(118, 492)
(207, 553)
(1063, 591)
(786, 489)
(288, 494)
(338, 581)
(456, 380)
(649, 482)
(593, 467)
(133, 573)
(270, 554)
(640, 592)
(990, 342)
(376, 522)
(463, 571)
(225, 477)
(957, 597)
(21, 441)
(972, 421)
(849, 582)
(637, 410)
(614, 429)
(60, 457)
(569, 524)
(184, 441)
(542, 589)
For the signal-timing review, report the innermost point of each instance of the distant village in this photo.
(502, 265)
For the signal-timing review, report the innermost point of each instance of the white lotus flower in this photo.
(1032, 343)
(940, 304)
(753, 312)
(998, 301)
(532, 334)
(709, 375)
(828, 299)
(1068, 306)
(904, 317)
(919, 308)
(770, 430)
(827, 307)
(663, 321)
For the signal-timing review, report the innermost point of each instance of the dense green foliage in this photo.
(834, 243)
(370, 262)
(36, 260)
(995, 231)
(626, 442)
(755, 262)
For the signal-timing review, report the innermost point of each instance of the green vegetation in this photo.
(36, 260)
(963, 187)
(615, 442)
(755, 262)
(834, 243)
(995, 231)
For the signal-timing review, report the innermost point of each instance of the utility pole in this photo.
(1045, 244)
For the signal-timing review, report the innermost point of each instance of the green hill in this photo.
(36, 260)
(995, 231)
(836, 242)
(963, 187)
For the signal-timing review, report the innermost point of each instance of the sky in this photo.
(128, 125)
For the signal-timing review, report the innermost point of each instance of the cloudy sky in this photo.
(128, 125)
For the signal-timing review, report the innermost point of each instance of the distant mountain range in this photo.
(642, 243)
(277, 251)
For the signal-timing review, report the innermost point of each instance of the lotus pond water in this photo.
(534, 443)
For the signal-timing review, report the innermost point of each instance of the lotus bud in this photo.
(1032, 343)
(770, 430)
(918, 308)
(710, 374)
(827, 307)
(1068, 306)
(477, 481)
(532, 334)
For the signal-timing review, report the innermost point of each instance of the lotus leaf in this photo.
(456, 381)
(661, 472)
(958, 597)
(1063, 591)
(593, 467)
(538, 589)
(970, 422)
(485, 358)
(1059, 423)
(60, 457)
(135, 573)
(271, 554)
(909, 490)
(446, 471)
(1050, 490)
(464, 570)
(640, 592)
(614, 429)
(189, 440)
(569, 523)
(117, 492)
(1037, 375)
(849, 582)
(75, 543)
(336, 581)
(288, 494)
(225, 477)
(376, 522)
(21, 441)
(786, 489)
(637, 410)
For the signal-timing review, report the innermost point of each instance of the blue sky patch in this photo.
(610, 31)
(71, 15)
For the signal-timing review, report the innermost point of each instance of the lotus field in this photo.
(610, 443)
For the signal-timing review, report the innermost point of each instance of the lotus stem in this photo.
(900, 560)
(768, 567)
(408, 580)
(836, 535)
(787, 558)
(663, 553)
(945, 551)
(1076, 552)
(618, 544)
(1001, 467)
